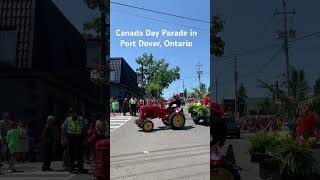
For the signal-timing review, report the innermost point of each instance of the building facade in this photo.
(43, 63)
(123, 79)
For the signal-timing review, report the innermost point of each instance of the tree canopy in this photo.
(93, 27)
(216, 42)
(158, 74)
(200, 92)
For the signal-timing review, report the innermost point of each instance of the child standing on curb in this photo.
(12, 137)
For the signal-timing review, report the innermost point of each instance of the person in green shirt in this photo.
(11, 139)
(115, 107)
(133, 106)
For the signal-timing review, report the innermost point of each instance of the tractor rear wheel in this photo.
(177, 121)
(147, 126)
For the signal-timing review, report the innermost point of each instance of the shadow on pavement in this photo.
(163, 128)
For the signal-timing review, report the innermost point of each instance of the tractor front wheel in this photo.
(147, 126)
(177, 121)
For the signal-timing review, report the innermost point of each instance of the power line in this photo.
(245, 53)
(258, 50)
(161, 20)
(306, 36)
(159, 12)
(260, 69)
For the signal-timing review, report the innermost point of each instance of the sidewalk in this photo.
(33, 170)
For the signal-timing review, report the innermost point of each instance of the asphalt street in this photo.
(117, 121)
(163, 154)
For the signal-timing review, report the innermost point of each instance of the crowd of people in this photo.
(14, 141)
(261, 124)
(76, 138)
(131, 105)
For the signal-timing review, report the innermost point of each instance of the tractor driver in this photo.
(176, 100)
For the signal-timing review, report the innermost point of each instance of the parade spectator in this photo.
(23, 142)
(111, 101)
(102, 128)
(115, 107)
(49, 140)
(92, 135)
(133, 106)
(125, 106)
(141, 103)
(57, 147)
(11, 139)
(1, 141)
(75, 129)
(5, 125)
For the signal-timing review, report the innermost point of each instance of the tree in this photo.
(157, 71)
(216, 42)
(241, 99)
(98, 4)
(153, 90)
(316, 87)
(200, 92)
(316, 90)
(185, 93)
(93, 27)
(297, 100)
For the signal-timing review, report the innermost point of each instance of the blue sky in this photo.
(127, 19)
(122, 18)
(251, 25)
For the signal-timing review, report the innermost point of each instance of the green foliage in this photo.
(158, 71)
(316, 90)
(297, 100)
(242, 96)
(192, 106)
(98, 4)
(242, 93)
(216, 43)
(260, 142)
(283, 136)
(293, 158)
(185, 93)
(316, 87)
(153, 90)
(93, 27)
(202, 110)
(200, 92)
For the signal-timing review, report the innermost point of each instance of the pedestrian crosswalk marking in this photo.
(117, 121)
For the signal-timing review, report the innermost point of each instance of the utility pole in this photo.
(235, 88)
(142, 80)
(183, 89)
(199, 72)
(285, 35)
(104, 101)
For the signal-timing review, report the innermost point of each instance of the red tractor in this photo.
(171, 116)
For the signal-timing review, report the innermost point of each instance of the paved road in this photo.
(163, 154)
(117, 121)
(32, 171)
(240, 147)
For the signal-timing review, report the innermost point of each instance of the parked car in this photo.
(233, 128)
